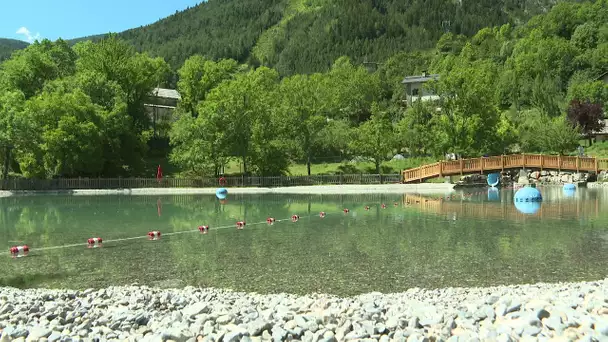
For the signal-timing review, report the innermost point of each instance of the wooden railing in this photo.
(17, 184)
(501, 211)
(500, 163)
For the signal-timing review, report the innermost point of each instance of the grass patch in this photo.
(151, 165)
(598, 150)
(234, 167)
(388, 167)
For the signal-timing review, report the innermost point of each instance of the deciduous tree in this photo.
(375, 138)
(588, 116)
(198, 76)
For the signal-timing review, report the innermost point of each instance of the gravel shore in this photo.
(541, 312)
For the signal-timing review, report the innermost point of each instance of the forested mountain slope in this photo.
(7, 46)
(303, 36)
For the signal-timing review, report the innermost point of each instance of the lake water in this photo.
(473, 238)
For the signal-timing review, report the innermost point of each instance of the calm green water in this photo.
(474, 238)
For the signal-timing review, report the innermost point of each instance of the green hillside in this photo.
(79, 111)
(7, 46)
(303, 36)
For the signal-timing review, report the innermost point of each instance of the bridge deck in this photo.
(500, 163)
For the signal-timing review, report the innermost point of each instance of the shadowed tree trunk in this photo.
(7, 160)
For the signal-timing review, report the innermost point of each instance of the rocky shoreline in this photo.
(540, 312)
(510, 177)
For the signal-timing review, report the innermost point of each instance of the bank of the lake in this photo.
(540, 312)
(317, 189)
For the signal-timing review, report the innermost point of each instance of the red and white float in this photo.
(240, 225)
(19, 251)
(154, 235)
(94, 242)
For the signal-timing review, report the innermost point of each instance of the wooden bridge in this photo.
(501, 163)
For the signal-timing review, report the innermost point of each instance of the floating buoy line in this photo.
(94, 242)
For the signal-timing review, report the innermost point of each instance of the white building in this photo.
(416, 90)
(160, 106)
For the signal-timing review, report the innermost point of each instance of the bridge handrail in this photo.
(473, 165)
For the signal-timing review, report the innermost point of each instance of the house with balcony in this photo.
(160, 105)
(416, 89)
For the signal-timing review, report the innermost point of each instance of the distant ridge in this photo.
(304, 36)
(7, 46)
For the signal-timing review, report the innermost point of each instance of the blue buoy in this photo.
(493, 195)
(493, 179)
(221, 193)
(528, 194)
(569, 192)
(528, 208)
(569, 186)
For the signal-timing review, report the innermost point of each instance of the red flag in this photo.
(159, 174)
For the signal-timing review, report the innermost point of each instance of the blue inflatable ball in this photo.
(528, 194)
(493, 179)
(527, 208)
(221, 193)
(569, 192)
(493, 195)
(569, 186)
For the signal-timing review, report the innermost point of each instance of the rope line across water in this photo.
(163, 234)
(463, 196)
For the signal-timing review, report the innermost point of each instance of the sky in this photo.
(29, 20)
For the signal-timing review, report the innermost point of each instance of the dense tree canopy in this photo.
(76, 111)
(255, 89)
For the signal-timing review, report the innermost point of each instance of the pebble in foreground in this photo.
(541, 312)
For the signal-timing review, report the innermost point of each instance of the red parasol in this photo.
(159, 174)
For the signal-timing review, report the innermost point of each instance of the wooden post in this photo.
(559, 163)
(502, 162)
(577, 165)
(523, 160)
(481, 164)
(596, 166)
(440, 169)
(461, 166)
(542, 162)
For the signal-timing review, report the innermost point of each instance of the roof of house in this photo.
(166, 93)
(604, 130)
(420, 78)
(158, 106)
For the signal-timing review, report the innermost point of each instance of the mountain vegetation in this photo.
(306, 36)
(69, 111)
(7, 46)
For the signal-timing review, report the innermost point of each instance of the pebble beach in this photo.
(539, 312)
